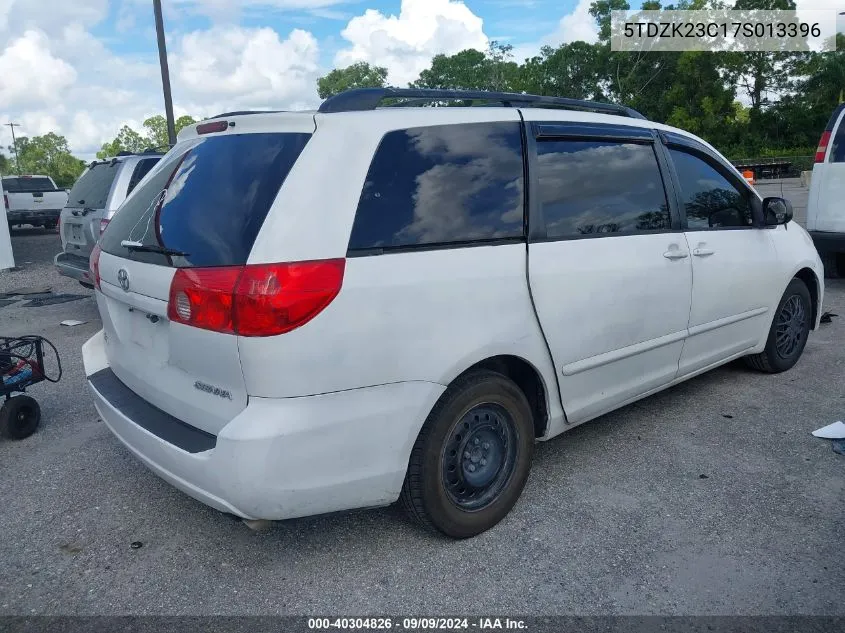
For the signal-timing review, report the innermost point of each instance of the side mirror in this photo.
(777, 211)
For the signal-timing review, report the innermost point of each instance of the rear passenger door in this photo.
(732, 259)
(609, 267)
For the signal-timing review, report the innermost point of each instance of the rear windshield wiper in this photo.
(137, 247)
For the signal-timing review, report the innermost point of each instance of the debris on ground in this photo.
(51, 300)
(7, 302)
(26, 290)
(72, 322)
(835, 431)
(838, 446)
(827, 317)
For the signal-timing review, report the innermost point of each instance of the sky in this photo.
(84, 68)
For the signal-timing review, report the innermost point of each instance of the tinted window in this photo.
(443, 184)
(17, 185)
(837, 150)
(92, 188)
(710, 200)
(141, 169)
(594, 187)
(216, 192)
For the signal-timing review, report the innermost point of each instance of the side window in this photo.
(141, 169)
(837, 150)
(440, 185)
(710, 199)
(595, 187)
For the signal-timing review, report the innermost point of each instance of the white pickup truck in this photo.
(825, 207)
(34, 200)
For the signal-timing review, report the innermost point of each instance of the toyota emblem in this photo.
(123, 279)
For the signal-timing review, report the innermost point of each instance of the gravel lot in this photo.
(709, 498)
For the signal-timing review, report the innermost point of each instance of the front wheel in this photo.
(19, 417)
(472, 457)
(789, 331)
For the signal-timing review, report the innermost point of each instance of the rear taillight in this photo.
(94, 266)
(255, 300)
(821, 150)
(103, 224)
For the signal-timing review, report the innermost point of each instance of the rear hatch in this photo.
(196, 215)
(80, 219)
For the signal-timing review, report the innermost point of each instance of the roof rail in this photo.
(243, 112)
(362, 99)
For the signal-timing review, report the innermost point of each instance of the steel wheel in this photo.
(479, 457)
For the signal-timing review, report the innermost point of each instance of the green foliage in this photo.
(359, 75)
(50, 155)
(154, 137)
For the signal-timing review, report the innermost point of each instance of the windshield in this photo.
(207, 199)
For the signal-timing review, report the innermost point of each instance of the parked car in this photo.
(825, 210)
(91, 204)
(32, 199)
(312, 312)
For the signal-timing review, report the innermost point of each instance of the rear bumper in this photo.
(74, 266)
(33, 216)
(279, 458)
(828, 241)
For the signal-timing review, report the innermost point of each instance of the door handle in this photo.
(675, 253)
(702, 252)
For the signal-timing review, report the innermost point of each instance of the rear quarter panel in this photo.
(413, 316)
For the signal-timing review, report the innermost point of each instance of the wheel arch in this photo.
(527, 377)
(811, 280)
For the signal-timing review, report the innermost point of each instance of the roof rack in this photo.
(244, 112)
(362, 99)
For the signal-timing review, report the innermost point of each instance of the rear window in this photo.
(92, 188)
(207, 198)
(447, 184)
(19, 185)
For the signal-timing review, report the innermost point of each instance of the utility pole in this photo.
(12, 126)
(165, 74)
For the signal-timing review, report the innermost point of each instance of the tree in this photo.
(6, 166)
(127, 140)
(572, 70)
(49, 154)
(358, 75)
(154, 137)
(471, 69)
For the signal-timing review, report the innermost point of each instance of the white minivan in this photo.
(826, 204)
(306, 312)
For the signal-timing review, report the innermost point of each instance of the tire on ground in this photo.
(442, 457)
(771, 360)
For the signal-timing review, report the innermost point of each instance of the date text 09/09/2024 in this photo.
(418, 624)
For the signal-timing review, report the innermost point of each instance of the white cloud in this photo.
(234, 67)
(31, 75)
(578, 25)
(575, 26)
(49, 16)
(405, 44)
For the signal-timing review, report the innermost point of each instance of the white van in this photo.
(826, 205)
(312, 312)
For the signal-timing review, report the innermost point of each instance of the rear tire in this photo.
(472, 457)
(788, 333)
(19, 417)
